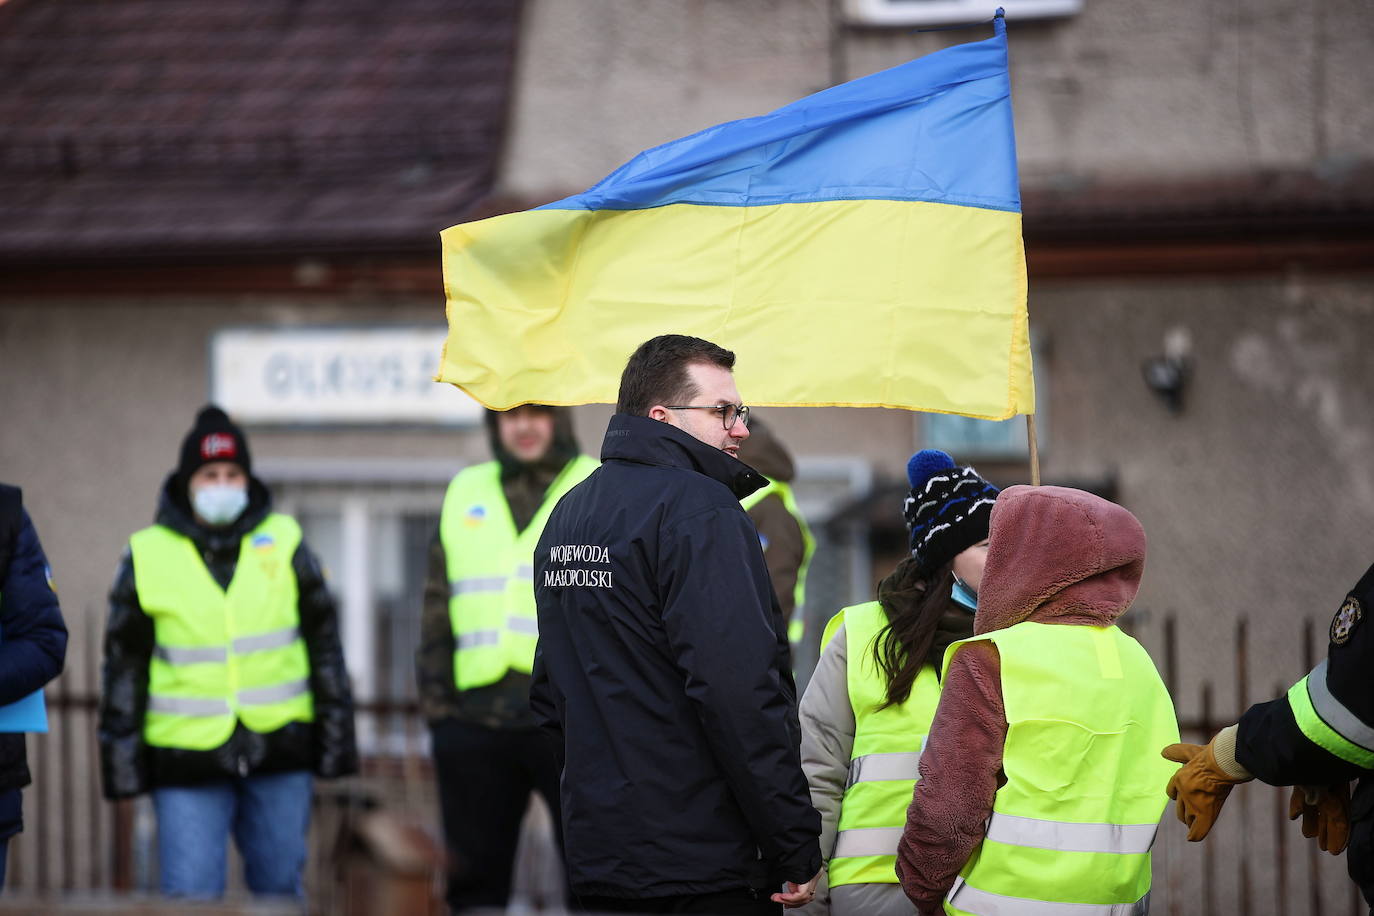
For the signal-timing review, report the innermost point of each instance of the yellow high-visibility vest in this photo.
(882, 766)
(222, 656)
(491, 571)
(1071, 829)
(796, 627)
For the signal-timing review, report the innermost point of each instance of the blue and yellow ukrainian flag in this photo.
(860, 247)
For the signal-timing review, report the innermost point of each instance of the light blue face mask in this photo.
(964, 595)
(220, 504)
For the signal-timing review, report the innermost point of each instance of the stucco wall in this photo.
(98, 397)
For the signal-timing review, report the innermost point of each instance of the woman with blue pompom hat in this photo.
(873, 694)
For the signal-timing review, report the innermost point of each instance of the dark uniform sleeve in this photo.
(335, 751)
(33, 638)
(1272, 744)
(124, 688)
(724, 630)
(434, 673)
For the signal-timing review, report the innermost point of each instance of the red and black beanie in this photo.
(213, 438)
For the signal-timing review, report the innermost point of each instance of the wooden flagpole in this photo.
(1034, 450)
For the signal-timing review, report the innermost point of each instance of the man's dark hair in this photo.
(657, 372)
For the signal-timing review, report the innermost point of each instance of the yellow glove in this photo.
(1200, 786)
(1325, 814)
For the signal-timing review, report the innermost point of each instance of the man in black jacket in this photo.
(224, 686)
(33, 645)
(663, 664)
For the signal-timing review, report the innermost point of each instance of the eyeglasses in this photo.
(729, 413)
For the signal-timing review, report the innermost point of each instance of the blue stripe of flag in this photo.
(936, 129)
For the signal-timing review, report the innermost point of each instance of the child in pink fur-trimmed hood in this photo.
(1035, 784)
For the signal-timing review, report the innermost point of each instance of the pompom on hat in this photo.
(947, 509)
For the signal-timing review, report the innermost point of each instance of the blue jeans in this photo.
(269, 815)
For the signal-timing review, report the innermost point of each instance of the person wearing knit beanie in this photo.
(215, 469)
(214, 437)
(224, 691)
(947, 509)
(876, 686)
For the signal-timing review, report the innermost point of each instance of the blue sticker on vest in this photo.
(475, 516)
(263, 541)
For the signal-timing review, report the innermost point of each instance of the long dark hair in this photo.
(914, 605)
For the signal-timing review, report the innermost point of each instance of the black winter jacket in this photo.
(325, 746)
(663, 666)
(33, 637)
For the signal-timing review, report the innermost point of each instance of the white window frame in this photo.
(340, 485)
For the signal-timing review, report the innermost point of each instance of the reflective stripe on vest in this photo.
(490, 572)
(265, 696)
(173, 655)
(1327, 722)
(188, 706)
(967, 899)
(1122, 839)
(257, 696)
(1072, 827)
(222, 656)
(520, 625)
(477, 585)
(885, 767)
(883, 762)
(868, 841)
(243, 645)
(796, 627)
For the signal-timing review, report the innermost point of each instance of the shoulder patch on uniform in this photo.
(1345, 621)
(263, 541)
(475, 516)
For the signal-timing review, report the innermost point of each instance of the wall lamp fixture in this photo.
(1167, 374)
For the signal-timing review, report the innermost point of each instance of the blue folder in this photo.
(26, 715)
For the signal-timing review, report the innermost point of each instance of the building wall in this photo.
(1258, 496)
(1124, 89)
(99, 394)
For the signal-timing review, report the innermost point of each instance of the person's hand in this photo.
(1325, 814)
(795, 895)
(1200, 787)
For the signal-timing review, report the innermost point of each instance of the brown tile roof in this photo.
(164, 127)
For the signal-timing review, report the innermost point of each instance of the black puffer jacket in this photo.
(663, 666)
(325, 746)
(33, 637)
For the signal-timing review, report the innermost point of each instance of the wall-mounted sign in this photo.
(944, 12)
(343, 375)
